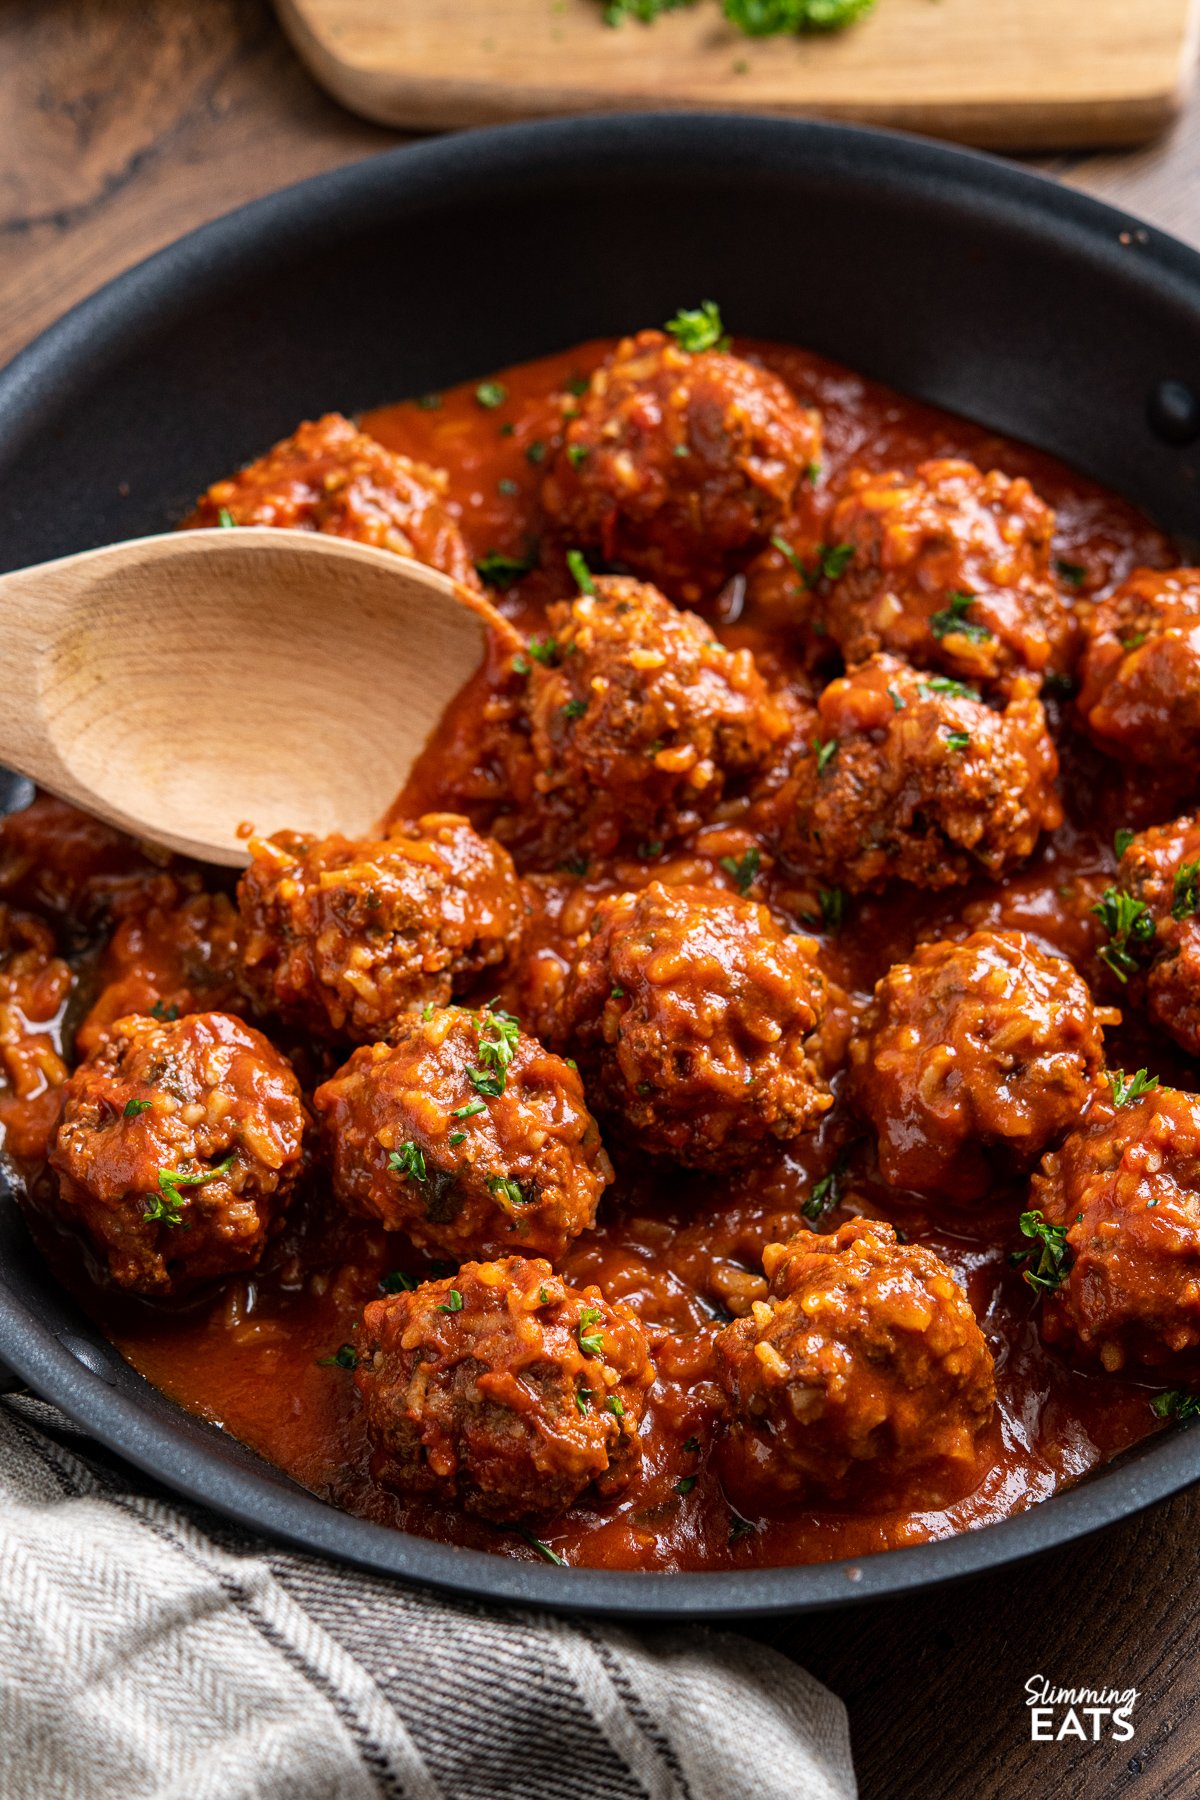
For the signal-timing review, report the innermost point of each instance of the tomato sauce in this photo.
(258, 1358)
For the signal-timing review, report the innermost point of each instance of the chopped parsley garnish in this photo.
(543, 650)
(652, 847)
(580, 571)
(615, 1405)
(958, 740)
(897, 699)
(826, 752)
(226, 520)
(946, 684)
(499, 1033)
(952, 621)
(832, 561)
(574, 709)
(409, 1161)
(577, 454)
(740, 1528)
(519, 666)
(500, 570)
(1049, 1270)
(826, 1193)
(397, 1282)
(1073, 572)
(452, 1303)
(1128, 1088)
(1187, 891)
(469, 1110)
(578, 385)
(692, 1446)
(833, 907)
(1135, 640)
(771, 18)
(508, 487)
(543, 1550)
(1128, 923)
(743, 869)
(428, 402)
(505, 1188)
(491, 394)
(134, 1107)
(166, 1015)
(590, 1342)
(1176, 1404)
(575, 865)
(535, 452)
(685, 1484)
(1122, 840)
(166, 1207)
(583, 1399)
(456, 1138)
(699, 328)
(344, 1357)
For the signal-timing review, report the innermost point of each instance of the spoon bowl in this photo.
(188, 686)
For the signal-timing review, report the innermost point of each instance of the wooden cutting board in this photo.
(1015, 74)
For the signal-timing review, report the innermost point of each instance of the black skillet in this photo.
(954, 277)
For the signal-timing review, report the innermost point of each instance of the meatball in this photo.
(172, 953)
(643, 715)
(330, 477)
(1152, 917)
(1139, 692)
(696, 1017)
(467, 1135)
(678, 464)
(913, 777)
(343, 937)
(1120, 1206)
(865, 1364)
(971, 1059)
(503, 1390)
(951, 570)
(178, 1149)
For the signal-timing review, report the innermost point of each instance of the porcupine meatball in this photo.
(1139, 693)
(866, 1361)
(343, 936)
(971, 1059)
(680, 463)
(467, 1135)
(951, 570)
(503, 1390)
(330, 477)
(911, 776)
(1125, 1190)
(1152, 914)
(642, 715)
(695, 1018)
(177, 1150)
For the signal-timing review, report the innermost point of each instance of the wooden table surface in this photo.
(122, 124)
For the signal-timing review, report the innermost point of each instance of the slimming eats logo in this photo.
(1089, 1714)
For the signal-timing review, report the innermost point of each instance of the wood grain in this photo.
(1006, 73)
(123, 124)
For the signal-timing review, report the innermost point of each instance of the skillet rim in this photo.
(197, 1460)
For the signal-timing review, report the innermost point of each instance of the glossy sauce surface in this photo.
(256, 1358)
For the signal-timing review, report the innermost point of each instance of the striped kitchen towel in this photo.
(149, 1649)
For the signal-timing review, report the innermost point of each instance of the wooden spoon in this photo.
(184, 686)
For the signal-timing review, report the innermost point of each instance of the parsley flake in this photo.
(590, 1342)
(1050, 1269)
(469, 1110)
(1177, 1404)
(699, 328)
(226, 520)
(397, 1282)
(408, 1161)
(580, 571)
(1128, 1088)
(499, 570)
(344, 1357)
(743, 869)
(134, 1107)
(166, 1207)
(1128, 924)
(958, 740)
(952, 621)
(491, 394)
(453, 1302)
(1122, 840)
(543, 1550)
(1187, 891)
(826, 751)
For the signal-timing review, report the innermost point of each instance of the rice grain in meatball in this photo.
(951, 570)
(912, 777)
(178, 1150)
(1123, 1197)
(866, 1364)
(695, 1018)
(679, 463)
(344, 937)
(642, 715)
(972, 1058)
(466, 1134)
(503, 1390)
